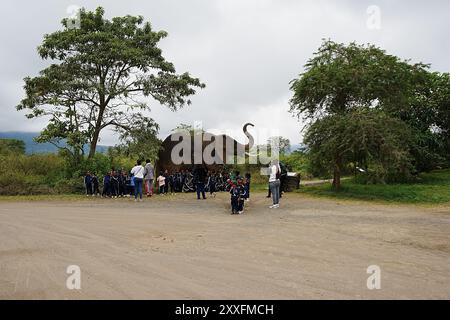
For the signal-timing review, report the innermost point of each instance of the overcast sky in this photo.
(246, 51)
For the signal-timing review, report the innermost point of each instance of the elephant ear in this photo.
(251, 140)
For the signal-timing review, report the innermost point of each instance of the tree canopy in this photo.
(97, 78)
(344, 85)
(342, 78)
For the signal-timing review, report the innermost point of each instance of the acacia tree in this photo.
(429, 114)
(341, 79)
(97, 78)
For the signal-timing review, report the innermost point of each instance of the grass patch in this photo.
(432, 188)
(259, 187)
(40, 197)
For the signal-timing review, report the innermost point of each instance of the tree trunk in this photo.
(93, 146)
(96, 135)
(337, 174)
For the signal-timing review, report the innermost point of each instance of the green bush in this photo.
(12, 146)
(100, 164)
(298, 162)
(69, 186)
(51, 173)
(429, 188)
(15, 183)
(34, 174)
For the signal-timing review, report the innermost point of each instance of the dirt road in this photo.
(181, 248)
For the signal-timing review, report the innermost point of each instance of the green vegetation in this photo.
(367, 112)
(97, 77)
(50, 174)
(432, 188)
(298, 162)
(368, 109)
(12, 146)
(44, 197)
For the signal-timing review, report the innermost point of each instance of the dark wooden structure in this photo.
(165, 162)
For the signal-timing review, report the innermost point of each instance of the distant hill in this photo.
(33, 147)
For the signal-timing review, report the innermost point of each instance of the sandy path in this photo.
(188, 249)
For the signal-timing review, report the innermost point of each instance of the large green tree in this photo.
(360, 137)
(98, 75)
(340, 79)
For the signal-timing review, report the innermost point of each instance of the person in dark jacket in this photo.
(166, 175)
(242, 195)
(199, 180)
(106, 185)
(88, 183)
(95, 185)
(237, 197)
(234, 192)
(247, 186)
(171, 183)
(114, 184)
(177, 182)
(182, 178)
(212, 180)
(122, 183)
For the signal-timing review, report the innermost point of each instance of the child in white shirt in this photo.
(161, 183)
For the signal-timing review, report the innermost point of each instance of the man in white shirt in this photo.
(138, 173)
(274, 183)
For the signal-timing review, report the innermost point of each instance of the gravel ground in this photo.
(176, 247)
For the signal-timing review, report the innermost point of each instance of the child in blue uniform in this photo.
(114, 184)
(107, 185)
(95, 185)
(247, 186)
(234, 191)
(88, 183)
(242, 196)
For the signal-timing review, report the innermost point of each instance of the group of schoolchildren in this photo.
(120, 183)
(240, 192)
(172, 182)
(115, 184)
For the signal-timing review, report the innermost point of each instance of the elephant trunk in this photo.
(251, 140)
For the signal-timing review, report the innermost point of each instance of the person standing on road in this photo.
(274, 183)
(138, 173)
(95, 185)
(199, 180)
(88, 183)
(162, 184)
(149, 176)
(106, 185)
